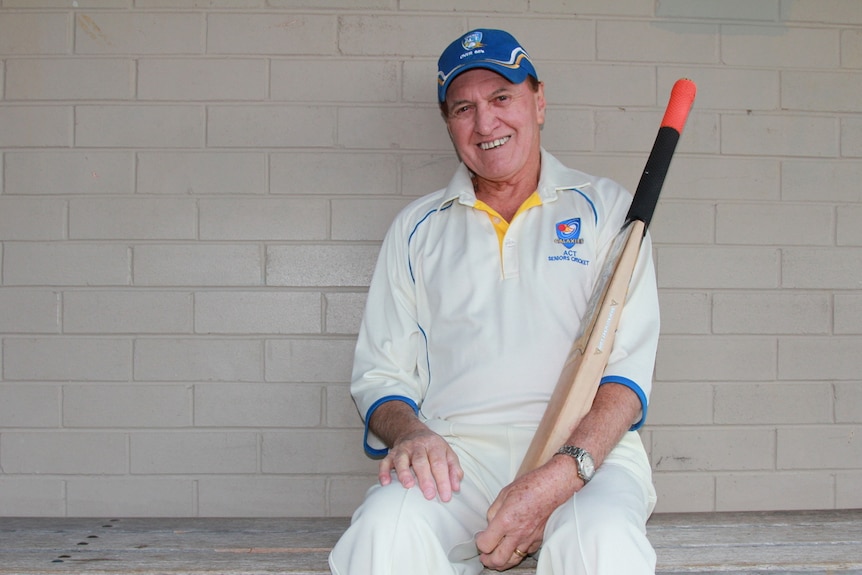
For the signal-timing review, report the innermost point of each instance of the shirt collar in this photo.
(553, 178)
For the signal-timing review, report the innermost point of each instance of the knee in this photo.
(381, 514)
(371, 540)
(613, 541)
(390, 530)
(392, 513)
(612, 526)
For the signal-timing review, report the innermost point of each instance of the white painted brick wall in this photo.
(192, 196)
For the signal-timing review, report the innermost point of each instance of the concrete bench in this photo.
(774, 542)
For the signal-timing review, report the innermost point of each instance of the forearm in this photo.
(394, 420)
(614, 410)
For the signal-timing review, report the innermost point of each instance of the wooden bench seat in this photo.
(773, 542)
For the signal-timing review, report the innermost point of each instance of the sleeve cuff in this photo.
(638, 391)
(369, 438)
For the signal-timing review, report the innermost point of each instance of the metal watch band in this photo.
(582, 458)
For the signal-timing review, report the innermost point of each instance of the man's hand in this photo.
(517, 518)
(425, 458)
(416, 454)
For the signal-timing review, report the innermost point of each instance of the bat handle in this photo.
(646, 195)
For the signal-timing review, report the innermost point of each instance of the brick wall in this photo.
(193, 193)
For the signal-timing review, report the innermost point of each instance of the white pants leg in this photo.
(397, 531)
(602, 529)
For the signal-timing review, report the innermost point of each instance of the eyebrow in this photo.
(493, 95)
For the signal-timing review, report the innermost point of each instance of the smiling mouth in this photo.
(495, 144)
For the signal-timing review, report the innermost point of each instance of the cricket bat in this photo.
(579, 380)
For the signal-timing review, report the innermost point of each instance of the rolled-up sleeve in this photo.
(385, 364)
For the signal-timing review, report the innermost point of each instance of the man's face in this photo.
(495, 125)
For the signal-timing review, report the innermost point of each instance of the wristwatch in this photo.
(586, 464)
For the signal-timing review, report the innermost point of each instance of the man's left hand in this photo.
(516, 519)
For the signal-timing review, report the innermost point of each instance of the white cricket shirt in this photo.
(470, 325)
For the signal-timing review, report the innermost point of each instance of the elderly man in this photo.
(473, 307)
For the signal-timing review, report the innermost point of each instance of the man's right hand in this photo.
(416, 454)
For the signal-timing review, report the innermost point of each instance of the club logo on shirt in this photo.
(569, 232)
(569, 235)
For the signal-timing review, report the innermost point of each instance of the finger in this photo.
(384, 471)
(456, 473)
(442, 472)
(497, 504)
(401, 465)
(508, 555)
(519, 555)
(488, 540)
(504, 555)
(425, 476)
(494, 508)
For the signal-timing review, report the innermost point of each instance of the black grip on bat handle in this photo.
(646, 195)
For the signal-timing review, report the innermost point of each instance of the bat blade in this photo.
(579, 379)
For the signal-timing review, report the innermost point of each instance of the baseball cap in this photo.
(494, 50)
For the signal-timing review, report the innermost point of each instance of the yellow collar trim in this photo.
(501, 226)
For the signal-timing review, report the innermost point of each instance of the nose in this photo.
(486, 120)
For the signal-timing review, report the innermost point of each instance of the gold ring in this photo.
(520, 553)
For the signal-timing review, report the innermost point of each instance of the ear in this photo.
(540, 103)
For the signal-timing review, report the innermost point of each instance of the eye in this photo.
(502, 98)
(460, 111)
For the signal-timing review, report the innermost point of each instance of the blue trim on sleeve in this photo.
(635, 388)
(372, 452)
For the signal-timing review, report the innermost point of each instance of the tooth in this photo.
(494, 144)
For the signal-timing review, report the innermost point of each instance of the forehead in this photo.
(476, 79)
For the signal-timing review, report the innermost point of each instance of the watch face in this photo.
(587, 465)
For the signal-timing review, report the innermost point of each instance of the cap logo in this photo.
(472, 41)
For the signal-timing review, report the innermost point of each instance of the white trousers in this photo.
(600, 530)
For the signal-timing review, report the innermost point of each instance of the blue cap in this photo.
(494, 50)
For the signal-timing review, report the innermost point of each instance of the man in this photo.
(472, 310)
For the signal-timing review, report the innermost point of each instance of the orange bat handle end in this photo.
(681, 98)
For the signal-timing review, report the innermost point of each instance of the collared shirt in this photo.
(470, 320)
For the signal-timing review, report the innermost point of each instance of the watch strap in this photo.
(579, 454)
